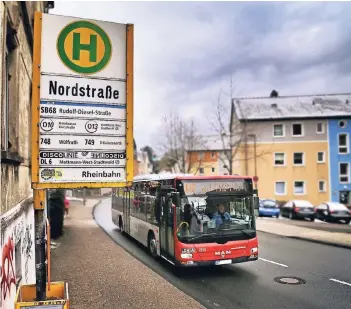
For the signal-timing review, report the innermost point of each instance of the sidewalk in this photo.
(100, 274)
(324, 237)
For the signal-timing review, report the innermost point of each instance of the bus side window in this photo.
(151, 206)
(135, 201)
(142, 207)
(158, 208)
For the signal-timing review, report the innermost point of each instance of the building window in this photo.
(278, 130)
(9, 104)
(299, 187)
(344, 172)
(299, 158)
(213, 154)
(201, 155)
(213, 169)
(280, 188)
(342, 124)
(6, 103)
(320, 127)
(201, 170)
(279, 158)
(343, 143)
(297, 129)
(321, 186)
(321, 157)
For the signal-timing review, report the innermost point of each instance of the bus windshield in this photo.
(213, 211)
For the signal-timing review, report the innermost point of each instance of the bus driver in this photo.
(220, 216)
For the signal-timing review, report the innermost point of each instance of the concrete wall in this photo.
(264, 131)
(311, 172)
(211, 163)
(16, 212)
(266, 145)
(18, 251)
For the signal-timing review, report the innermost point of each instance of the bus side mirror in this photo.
(175, 197)
(176, 208)
(256, 202)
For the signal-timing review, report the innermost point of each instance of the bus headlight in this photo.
(254, 250)
(187, 253)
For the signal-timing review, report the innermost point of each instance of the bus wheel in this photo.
(152, 245)
(120, 224)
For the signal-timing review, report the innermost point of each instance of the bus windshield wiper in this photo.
(203, 235)
(245, 232)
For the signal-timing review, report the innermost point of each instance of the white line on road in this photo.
(342, 282)
(268, 261)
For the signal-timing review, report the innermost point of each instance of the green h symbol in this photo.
(78, 47)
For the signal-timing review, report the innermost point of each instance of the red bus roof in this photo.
(212, 177)
(168, 176)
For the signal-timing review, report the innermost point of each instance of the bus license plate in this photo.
(222, 262)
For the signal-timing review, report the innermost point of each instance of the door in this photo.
(167, 225)
(126, 211)
(163, 225)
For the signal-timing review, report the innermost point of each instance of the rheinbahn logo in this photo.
(84, 47)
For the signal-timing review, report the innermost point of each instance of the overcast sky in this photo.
(186, 52)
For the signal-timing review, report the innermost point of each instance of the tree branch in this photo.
(180, 138)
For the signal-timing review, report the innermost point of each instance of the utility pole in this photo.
(84, 196)
(40, 267)
(255, 157)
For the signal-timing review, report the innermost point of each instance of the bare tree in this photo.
(181, 139)
(233, 134)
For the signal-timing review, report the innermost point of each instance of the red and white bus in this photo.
(180, 217)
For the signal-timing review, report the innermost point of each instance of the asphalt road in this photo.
(316, 225)
(326, 270)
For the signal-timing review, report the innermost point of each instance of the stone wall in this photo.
(16, 212)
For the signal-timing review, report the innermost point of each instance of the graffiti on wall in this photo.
(8, 276)
(17, 251)
(18, 232)
(27, 244)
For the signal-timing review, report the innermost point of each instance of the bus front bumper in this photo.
(241, 259)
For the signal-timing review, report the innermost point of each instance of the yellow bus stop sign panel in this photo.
(84, 47)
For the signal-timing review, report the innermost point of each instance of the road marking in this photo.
(269, 261)
(342, 282)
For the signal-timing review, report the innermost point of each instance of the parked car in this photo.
(333, 212)
(298, 209)
(268, 208)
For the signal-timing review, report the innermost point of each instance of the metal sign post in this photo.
(82, 119)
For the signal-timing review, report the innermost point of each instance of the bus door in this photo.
(167, 224)
(126, 211)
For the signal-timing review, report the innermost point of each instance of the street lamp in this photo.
(255, 157)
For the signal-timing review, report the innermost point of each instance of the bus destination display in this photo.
(203, 187)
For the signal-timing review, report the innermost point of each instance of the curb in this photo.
(93, 209)
(322, 242)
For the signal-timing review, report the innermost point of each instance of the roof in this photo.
(210, 143)
(155, 177)
(293, 107)
(165, 176)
